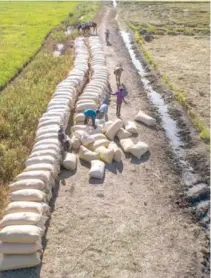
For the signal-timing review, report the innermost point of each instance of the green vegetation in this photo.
(24, 101)
(23, 27)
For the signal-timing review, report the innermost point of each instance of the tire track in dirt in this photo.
(126, 225)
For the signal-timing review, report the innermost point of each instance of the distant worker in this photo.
(107, 33)
(63, 138)
(103, 111)
(118, 72)
(91, 114)
(119, 99)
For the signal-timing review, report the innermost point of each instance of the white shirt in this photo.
(103, 108)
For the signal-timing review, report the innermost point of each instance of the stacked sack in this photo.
(92, 144)
(96, 91)
(23, 224)
(97, 146)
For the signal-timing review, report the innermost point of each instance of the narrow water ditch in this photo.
(196, 189)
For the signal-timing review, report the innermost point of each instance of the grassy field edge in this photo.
(31, 58)
(24, 101)
(202, 128)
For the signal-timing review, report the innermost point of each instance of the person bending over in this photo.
(91, 114)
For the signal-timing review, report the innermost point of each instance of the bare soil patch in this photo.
(185, 60)
(180, 47)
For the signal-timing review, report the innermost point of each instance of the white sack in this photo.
(76, 143)
(27, 184)
(23, 218)
(86, 139)
(53, 169)
(139, 149)
(107, 125)
(19, 248)
(50, 152)
(122, 134)
(70, 161)
(33, 195)
(21, 234)
(48, 135)
(97, 169)
(87, 155)
(45, 176)
(144, 118)
(117, 151)
(106, 155)
(84, 106)
(79, 118)
(9, 262)
(126, 144)
(113, 129)
(46, 147)
(101, 142)
(21, 206)
(78, 127)
(98, 136)
(131, 127)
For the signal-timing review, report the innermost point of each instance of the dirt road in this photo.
(126, 226)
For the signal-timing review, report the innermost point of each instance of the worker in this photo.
(118, 72)
(119, 99)
(91, 114)
(63, 138)
(103, 111)
(107, 33)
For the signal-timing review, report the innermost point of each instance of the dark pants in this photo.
(66, 146)
(118, 108)
(93, 121)
(107, 39)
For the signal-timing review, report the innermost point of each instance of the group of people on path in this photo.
(86, 27)
(102, 112)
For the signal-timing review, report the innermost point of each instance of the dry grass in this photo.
(3, 198)
(181, 58)
(185, 60)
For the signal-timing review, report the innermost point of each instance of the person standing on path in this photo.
(103, 111)
(107, 33)
(90, 114)
(119, 99)
(118, 72)
(63, 138)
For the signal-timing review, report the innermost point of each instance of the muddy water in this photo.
(169, 124)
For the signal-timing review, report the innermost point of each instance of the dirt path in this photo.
(126, 226)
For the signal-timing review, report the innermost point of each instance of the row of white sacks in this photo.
(23, 224)
(96, 146)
